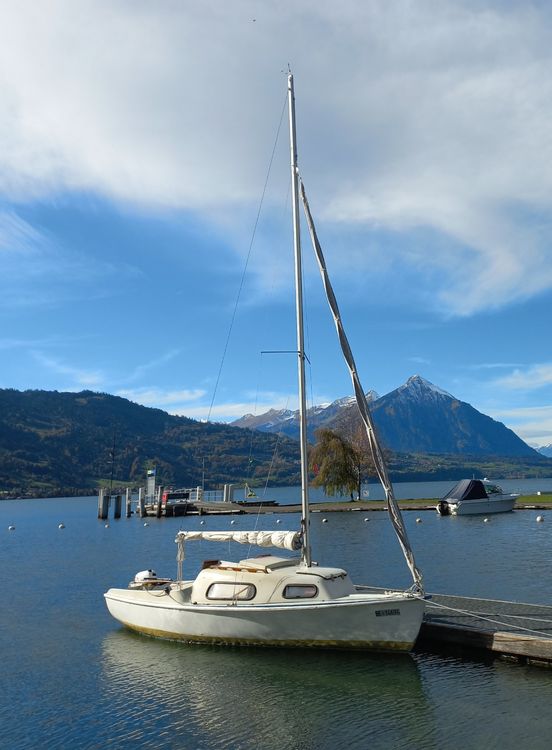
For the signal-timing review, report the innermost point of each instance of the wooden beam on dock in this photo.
(510, 629)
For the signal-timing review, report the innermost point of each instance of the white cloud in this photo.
(533, 424)
(428, 116)
(140, 370)
(16, 235)
(536, 376)
(193, 403)
(160, 398)
(80, 377)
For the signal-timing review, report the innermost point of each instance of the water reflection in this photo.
(208, 697)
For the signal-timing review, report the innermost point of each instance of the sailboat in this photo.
(271, 599)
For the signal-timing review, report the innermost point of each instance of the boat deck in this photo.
(521, 632)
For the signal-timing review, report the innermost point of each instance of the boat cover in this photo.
(467, 489)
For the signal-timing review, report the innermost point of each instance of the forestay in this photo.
(377, 455)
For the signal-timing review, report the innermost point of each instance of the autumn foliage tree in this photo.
(336, 464)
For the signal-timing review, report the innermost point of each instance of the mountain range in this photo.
(54, 444)
(417, 417)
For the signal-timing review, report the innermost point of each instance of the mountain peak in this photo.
(416, 383)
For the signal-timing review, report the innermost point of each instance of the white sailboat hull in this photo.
(381, 622)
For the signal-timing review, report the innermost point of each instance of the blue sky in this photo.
(136, 141)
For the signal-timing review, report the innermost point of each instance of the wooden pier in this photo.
(511, 630)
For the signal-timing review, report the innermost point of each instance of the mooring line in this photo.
(478, 616)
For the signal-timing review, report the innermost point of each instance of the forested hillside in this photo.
(54, 443)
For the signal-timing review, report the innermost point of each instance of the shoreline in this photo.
(528, 502)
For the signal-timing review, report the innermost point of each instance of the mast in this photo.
(306, 550)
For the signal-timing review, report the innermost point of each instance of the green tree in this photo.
(335, 463)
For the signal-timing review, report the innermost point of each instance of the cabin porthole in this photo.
(300, 591)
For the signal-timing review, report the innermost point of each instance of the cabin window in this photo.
(231, 591)
(300, 591)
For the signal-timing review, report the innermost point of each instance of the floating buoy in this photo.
(324, 520)
(366, 519)
(232, 523)
(61, 526)
(540, 519)
(485, 520)
(201, 523)
(278, 521)
(146, 524)
(107, 526)
(418, 520)
(11, 528)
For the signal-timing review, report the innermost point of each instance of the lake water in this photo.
(403, 490)
(71, 677)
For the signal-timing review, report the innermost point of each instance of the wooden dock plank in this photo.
(500, 627)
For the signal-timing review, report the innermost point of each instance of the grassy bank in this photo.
(524, 502)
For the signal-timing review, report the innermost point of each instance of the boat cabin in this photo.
(265, 579)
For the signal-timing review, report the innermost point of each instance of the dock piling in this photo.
(103, 504)
(159, 501)
(128, 502)
(141, 503)
(117, 507)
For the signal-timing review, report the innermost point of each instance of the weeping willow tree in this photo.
(336, 464)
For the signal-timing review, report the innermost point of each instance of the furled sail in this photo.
(290, 540)
(377, 455)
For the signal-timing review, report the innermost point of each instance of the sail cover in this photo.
(377, 455)
(290, 540)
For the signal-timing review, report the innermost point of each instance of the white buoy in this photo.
(11, 528)
(366, 519)
(540, 519)
(146, 524)
(107, 526)
(418, 520)
(485, 520)
(61, 526)
(324, 520)
(278, 521)
(201, 523)
(232, 523)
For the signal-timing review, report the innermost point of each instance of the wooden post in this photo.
(103, 504)
(159, 501)
(117, 508)
(128, 502)
(141, 503)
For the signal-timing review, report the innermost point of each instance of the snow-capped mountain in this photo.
(417, 417)
(546, 450)
(287, 422)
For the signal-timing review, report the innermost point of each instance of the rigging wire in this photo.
(242, 281)
(479, 616)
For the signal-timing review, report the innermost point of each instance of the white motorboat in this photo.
(471, 497)
(281, 600)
